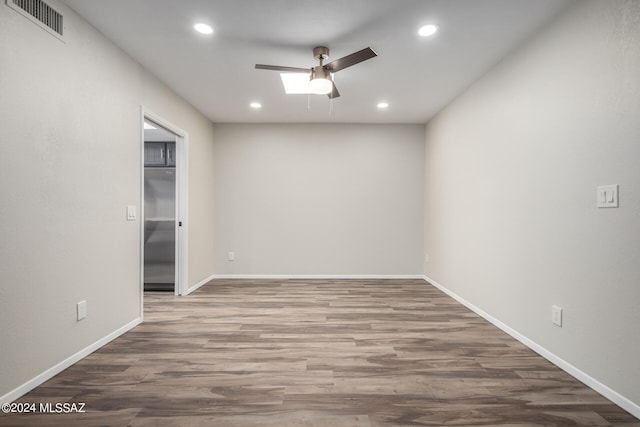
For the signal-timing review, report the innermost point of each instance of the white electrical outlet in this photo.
(231, 256)
(556, 315)
(426, 257)
(81, 310)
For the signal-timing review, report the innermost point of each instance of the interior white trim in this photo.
(141, 215)
(200, 283)
(56, 369)
(316, 276)
(182, 228)
(596, 385)
(283, 276)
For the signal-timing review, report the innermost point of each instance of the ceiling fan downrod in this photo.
(321, 53)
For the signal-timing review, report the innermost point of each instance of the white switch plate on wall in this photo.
(131, 213)
(608, 196)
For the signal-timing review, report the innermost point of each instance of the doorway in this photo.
(164, 188)
(160, 208)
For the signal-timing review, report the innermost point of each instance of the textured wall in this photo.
(319, 199)
(512, 166)
(70, 138)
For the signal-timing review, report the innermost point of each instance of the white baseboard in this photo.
(299, 276)
(200, 283)
(55, 370)
(316, 276)
(585, 378)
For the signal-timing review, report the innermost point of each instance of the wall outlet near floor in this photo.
(81, 309)
(426, 257)
(556, 315)
(231, 256)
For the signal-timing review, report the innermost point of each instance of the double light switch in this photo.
(608, 196)
(131, 213)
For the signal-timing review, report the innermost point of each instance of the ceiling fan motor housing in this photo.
(320, 53)
(320, 72)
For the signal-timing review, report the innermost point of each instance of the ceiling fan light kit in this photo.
(321, 76)
(320, 81)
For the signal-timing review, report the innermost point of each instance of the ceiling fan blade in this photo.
(279, 68)
(349, 60)
(334, 92)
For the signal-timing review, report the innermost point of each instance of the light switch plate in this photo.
(131, 213)
(608, 196)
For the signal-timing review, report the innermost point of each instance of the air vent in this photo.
(41, 13)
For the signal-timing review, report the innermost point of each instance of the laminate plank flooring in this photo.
(243, 353)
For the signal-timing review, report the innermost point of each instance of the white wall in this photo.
(319, 199)
(511, 223)
(70, 136)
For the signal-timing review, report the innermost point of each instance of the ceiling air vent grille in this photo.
(40, 13)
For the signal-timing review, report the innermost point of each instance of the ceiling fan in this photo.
(321, 76)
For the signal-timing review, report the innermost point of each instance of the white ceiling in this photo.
(416, 76)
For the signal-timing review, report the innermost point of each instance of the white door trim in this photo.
(182, 205)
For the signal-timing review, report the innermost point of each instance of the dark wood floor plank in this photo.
(333, 353)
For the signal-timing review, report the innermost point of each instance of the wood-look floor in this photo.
(317, 353)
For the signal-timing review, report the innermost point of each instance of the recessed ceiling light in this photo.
(428, 30)
(255, 105)
(383, 105)
(203, 28)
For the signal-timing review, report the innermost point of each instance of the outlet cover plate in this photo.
(556, 315)
(81, 310)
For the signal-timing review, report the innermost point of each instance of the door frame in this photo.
(182, 165)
